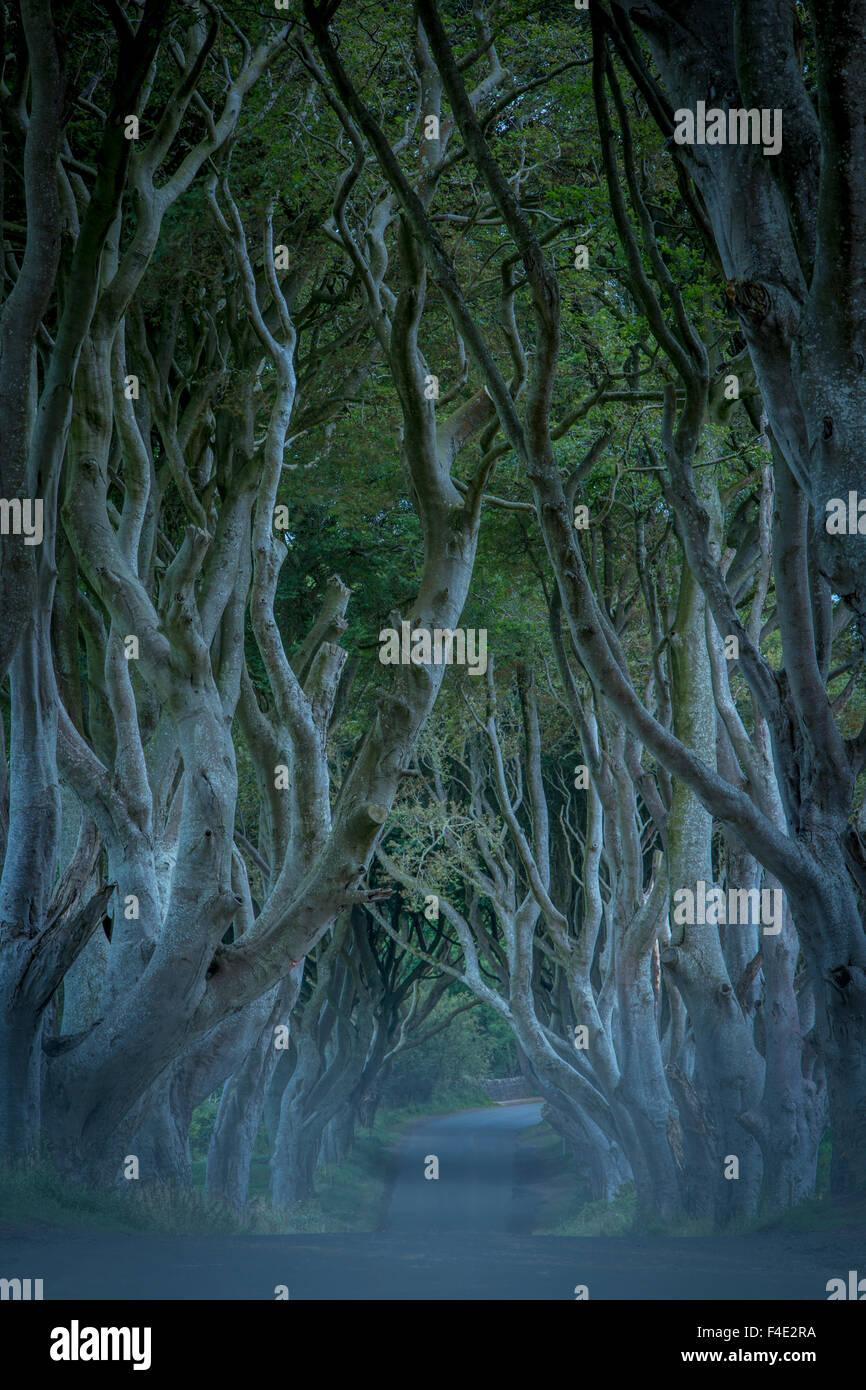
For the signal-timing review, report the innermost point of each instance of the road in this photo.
(477, 1188)
(460, 1236)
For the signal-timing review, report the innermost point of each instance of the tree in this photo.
(791, 707)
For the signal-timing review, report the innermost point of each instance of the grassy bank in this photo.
(349, 1196)
(564, 1209)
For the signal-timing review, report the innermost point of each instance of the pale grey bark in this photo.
(233, 1138)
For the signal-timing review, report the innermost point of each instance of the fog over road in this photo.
(461, 1236)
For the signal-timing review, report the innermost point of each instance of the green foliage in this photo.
(201, 1125)
(477, 1043)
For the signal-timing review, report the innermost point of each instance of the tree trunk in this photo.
(232, 1143)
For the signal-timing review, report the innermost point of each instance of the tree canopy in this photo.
(328, 323)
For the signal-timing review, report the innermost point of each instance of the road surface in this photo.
(461, 1236)
(477, 1187)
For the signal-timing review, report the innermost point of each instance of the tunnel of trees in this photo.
(325, 321)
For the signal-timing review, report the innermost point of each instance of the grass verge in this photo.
(349, 1196)
(564, 1209)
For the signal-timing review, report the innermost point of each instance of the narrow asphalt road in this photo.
(476, 1188)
